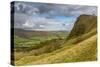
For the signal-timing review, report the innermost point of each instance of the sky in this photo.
(48, 16)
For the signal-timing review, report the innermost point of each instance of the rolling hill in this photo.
(30, 33)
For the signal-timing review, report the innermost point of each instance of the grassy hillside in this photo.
(84, 51)
(84, 24)
(81, 45)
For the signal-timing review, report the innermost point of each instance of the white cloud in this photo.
(28, 25)
(42, 26)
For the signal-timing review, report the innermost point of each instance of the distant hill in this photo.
(29, 33)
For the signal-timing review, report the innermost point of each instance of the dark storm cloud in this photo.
(73, 10)
(54, 9)
(25, 8)
(30, 15)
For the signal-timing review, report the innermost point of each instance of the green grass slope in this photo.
(84, 51)
(84, 24)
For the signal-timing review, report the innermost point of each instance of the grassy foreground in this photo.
(83, 51)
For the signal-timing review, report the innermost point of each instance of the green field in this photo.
(37, 39)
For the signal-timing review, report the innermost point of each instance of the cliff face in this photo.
(83, 25)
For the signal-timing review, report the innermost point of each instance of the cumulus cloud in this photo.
(19, 19)
(45, 24)
(40, 16)
(54, 9)
(28, 25)
(22, 7)
(73, 10)
(84, 10)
